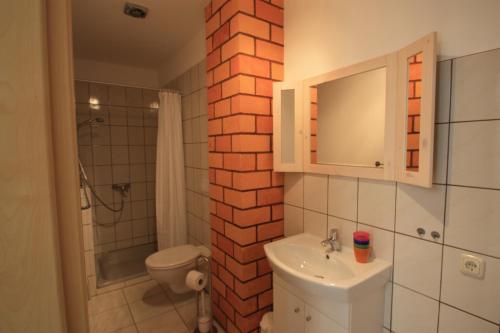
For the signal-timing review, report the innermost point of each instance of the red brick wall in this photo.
(414, 98)
(244, 56)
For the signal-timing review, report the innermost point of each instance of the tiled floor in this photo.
(144, 307)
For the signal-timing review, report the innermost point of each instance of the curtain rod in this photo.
(118, 84)
(171, 90)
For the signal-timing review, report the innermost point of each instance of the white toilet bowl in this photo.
(170, 266)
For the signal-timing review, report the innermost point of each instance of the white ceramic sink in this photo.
(301, 261)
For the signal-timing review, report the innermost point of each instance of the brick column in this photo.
(244, 57)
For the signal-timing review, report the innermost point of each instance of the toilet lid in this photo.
(174, 256)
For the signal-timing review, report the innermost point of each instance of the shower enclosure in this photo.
(117, 128)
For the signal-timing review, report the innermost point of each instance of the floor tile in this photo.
(150, 307)
(111, 320)
(142, 290)
(169, 322)
(130, 329)
(106, 301)
(179, 299)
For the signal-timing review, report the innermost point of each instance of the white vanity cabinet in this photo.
(293, 315)
(316, 322)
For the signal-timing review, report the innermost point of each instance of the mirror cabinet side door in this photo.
(288, 134)
(415, 112)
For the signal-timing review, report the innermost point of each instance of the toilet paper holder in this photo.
(201, 259)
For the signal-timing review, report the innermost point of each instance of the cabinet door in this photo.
(288, 138)
(316, 322)
(288, 314)
(415, 112)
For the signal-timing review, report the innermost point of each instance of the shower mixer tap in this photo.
(123, 188)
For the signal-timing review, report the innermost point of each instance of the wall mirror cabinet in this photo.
(373, 120)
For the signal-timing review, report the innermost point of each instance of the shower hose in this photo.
(85, 182)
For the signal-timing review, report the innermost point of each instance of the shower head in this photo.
(92, 122)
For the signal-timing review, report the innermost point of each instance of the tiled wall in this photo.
(192, 86)
(122, 149)
(428, 292)
(244, 57)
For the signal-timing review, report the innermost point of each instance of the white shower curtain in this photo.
(171, 221)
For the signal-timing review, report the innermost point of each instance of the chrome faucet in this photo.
(332, 241)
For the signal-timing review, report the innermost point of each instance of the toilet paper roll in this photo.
(196, 280)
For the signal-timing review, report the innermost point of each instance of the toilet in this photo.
(170, 266)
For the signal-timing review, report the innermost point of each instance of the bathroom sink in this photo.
(301, 261)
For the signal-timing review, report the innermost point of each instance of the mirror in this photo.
(413, 110)
(287, 125)
(348, 120)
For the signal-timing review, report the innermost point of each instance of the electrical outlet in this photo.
(472, 265)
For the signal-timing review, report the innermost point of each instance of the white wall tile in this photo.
(315, 223)
(195, 104)
(417, 265)
(187, 132)
(196, 129)
(443, 91)
(204, 156)
(420, 207)
(203, 129)
(89, 263)
(343, 197)
(477, 296)
(381, 241)
(99, 91)
(476, 82)
(123, 230)
(376, 204)
(203, 102)
(294, 220)
(294, 189)
(196, 150)
(475, 154)
(316, 192)
(194, 78)
(412, 312)
(440, 153)
(452, 320)
(88, 237)
(345, 230)
(186, 107)
(189, 172)
(133, 96)
(473, 219)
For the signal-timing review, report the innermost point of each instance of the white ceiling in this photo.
(102, 32)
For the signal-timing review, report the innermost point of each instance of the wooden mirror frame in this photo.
(390, 63)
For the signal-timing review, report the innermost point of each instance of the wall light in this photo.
(94, 103)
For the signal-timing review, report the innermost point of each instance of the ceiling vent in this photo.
(137, 11)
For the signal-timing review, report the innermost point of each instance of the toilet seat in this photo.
(173, 257)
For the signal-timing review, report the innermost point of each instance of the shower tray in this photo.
(123, 264)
